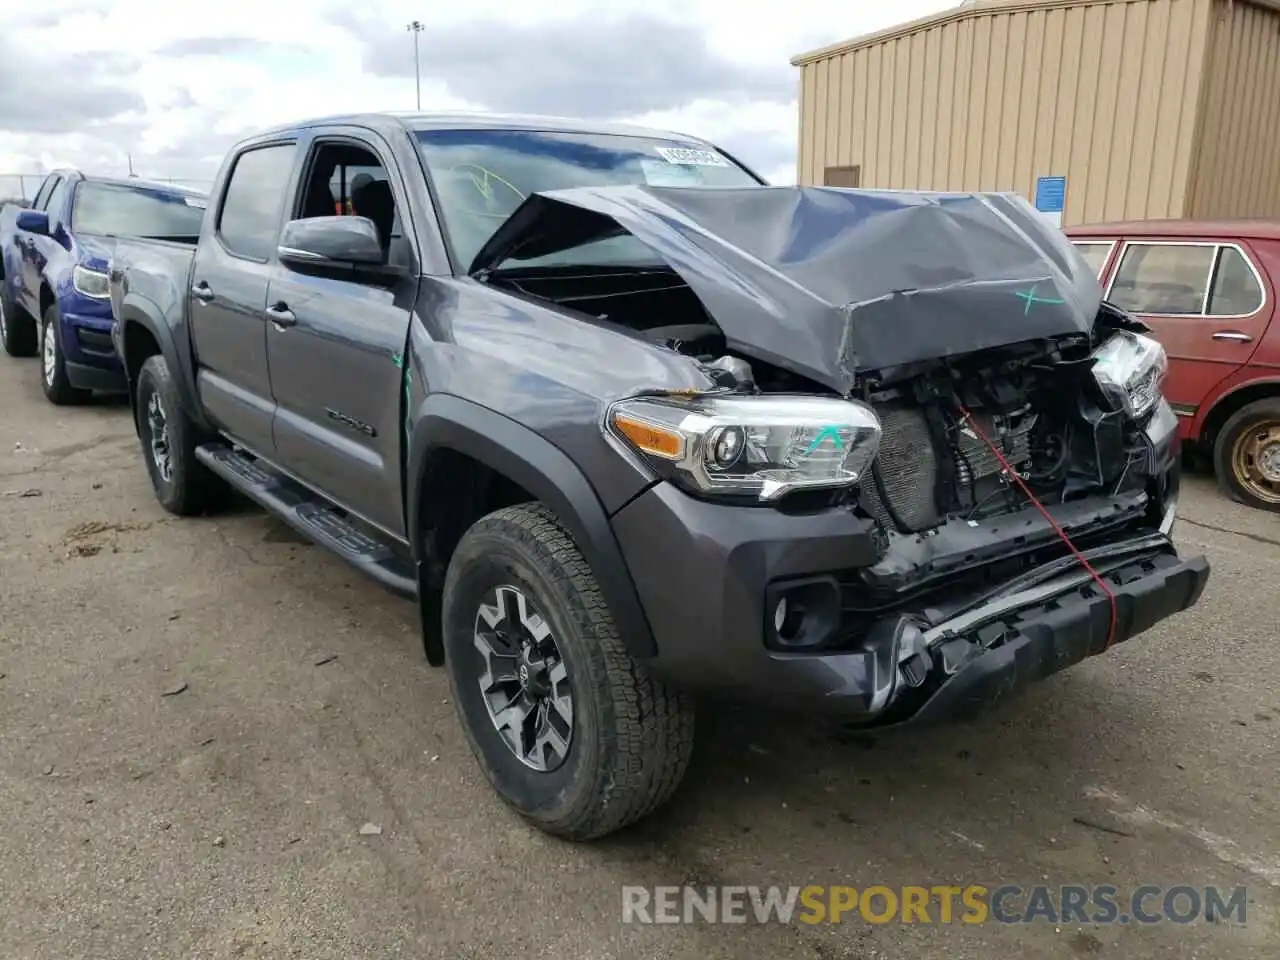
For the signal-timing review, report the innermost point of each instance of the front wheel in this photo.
(1246, 454)
(169, 437)
(53, 365)
(570, 731)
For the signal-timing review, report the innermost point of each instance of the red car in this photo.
(1208, 291)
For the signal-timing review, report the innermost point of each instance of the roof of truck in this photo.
(467, 120)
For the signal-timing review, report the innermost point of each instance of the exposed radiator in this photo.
(907, 468)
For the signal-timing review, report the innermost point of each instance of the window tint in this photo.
(250, 219)
(57, 200)
(42, 195)
(1094, 254)
(1235, 292)
(1163, 278)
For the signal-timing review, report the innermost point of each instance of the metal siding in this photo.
(1236, 173)
(1104, 93)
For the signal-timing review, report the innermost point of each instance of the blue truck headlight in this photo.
(1134, 366)
(90, 283)
(761, 447)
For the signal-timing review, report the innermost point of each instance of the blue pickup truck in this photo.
(53, 271)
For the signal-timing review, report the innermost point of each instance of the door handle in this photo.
(281, 315)
(1235, 335)
(202, 291)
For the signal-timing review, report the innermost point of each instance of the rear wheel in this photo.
(570, 731)
(17, 330)
(169, 438)
(53, 365)
(1246, 454)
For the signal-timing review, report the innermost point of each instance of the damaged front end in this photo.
(933, 377)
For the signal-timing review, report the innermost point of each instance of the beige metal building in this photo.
(1148, 108)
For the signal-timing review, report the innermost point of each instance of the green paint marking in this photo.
(398, 360)
(1030, 297)
(830, 431)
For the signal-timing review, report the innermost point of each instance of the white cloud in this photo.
(89, 82)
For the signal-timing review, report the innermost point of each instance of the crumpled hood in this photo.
(830, 282)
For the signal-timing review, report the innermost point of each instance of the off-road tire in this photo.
(19, 329)
(58, 390)
(632, 735)
(1248, 417)
(191, 488)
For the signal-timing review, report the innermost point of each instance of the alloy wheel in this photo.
(158, 428)
(4, 321)
(524, 683)
(1255, 460)
(49, 352)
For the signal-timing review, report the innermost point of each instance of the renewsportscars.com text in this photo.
(969, 904)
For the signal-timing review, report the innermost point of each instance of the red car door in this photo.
(1205, 300)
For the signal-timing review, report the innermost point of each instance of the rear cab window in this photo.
(136, 211)
(249, 216)
(1186, 278)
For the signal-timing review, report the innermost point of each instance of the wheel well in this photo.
(456, 491)
(46, 299)
(1229, 404)
(139, 343)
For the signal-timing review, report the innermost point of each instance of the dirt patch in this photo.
(90, 538)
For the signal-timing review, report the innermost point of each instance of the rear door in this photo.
(335, 360)
(228, 294)
(1205, 300)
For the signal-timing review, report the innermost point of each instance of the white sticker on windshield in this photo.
(660, 173)
(196, 202)
(689, 157)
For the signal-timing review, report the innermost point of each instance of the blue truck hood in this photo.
(831, 282)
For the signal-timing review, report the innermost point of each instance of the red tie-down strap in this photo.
(1062, 534)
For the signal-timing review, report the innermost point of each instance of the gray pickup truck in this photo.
(629, 425)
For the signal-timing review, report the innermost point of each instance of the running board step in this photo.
(312, 516)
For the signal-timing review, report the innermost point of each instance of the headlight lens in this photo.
(1134, 364)
(762, 447)
(91, 283)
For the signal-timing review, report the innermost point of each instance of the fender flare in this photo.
(135, 310)
(444, 421)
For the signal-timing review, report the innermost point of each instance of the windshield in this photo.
(481, 176)
(120, 210)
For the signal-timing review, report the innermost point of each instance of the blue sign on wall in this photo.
(1051, 194)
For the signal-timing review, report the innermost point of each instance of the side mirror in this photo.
(33, 221)
(330, 241)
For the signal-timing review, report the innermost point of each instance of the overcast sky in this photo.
(84, 82)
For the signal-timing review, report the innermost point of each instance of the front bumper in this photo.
(707, 576)
(92, 362)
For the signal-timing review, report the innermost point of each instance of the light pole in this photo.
(415, 27)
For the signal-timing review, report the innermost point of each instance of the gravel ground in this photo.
(197, 718)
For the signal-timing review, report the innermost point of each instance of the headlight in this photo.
(1134, 364)
(762, 447)
(91, 283)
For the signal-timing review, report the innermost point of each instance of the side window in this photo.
(1163, 278)
(1094, 252)
(46, 188)
(57, 201)
(1235, 291)
(249, 220)
(345, 179)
